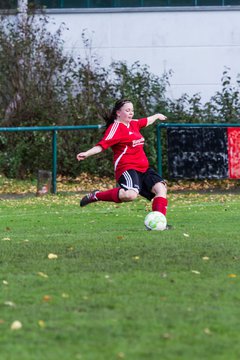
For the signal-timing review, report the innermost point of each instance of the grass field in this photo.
(115, 290)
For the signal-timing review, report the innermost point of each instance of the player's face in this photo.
(125, 114)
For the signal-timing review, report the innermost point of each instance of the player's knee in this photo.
(163, 189)
(131, 195)
(160, 189)
(128, 195)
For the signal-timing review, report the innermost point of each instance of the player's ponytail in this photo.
(109, 118)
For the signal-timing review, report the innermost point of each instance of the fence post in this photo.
(54, 161)
(159, 150)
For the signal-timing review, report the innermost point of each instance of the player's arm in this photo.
(93, 151)
(153, 118)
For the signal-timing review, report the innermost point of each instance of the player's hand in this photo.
(162, 117)
(81, 156)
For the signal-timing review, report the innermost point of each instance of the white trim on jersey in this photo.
(112, 131)
(119, 158)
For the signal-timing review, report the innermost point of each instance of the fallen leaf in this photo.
(52, 256)
(5, 282)
(42, 274)
(186, 235)
(205, 258)
(207, 331)
(136, 257)
(42, 324)
(16, 325)
(121, 355)
(232, 275)
(9, 303)
(65, 296)
(47, 298)
(6, 239)
(196, 272)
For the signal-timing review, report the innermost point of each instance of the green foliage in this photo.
(34, 74)
(223, 107)
(41, 85)
(34, 82)
(22, 153)
(225, 104)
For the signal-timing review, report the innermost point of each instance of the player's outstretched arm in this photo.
(153, 118)
(93, 151)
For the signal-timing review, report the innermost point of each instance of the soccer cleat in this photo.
(89, 198)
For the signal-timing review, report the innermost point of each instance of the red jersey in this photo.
(127, 144)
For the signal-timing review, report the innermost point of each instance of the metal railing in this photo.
(54, 130)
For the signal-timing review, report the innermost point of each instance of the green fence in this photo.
(54, 130)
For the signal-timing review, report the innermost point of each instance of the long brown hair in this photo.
(109, 118)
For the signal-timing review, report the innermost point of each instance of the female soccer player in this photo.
(131, 165)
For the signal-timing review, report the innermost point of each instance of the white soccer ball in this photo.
(155, 221)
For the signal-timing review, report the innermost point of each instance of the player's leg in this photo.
(96, 195)
(130, 185)
(127, 191)
(155, 189)
(160, 201)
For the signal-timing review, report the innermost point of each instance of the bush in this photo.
(223, 107)
(41, 85)
(35, 77)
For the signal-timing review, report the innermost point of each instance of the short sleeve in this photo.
(142, 122)
(111, 136)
